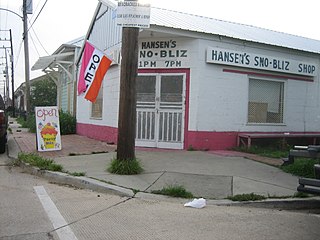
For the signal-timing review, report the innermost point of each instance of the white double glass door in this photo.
(160, 110)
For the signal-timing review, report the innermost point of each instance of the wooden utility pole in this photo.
(127, 105)
(12, 77)
(26, 56)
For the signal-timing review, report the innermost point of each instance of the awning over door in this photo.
(51, 61)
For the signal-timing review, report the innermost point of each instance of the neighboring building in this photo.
(19, 94)
(202, 81)
(60, 66)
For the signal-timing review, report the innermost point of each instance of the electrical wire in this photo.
(34, 44)
(19, 51)
(35, 34)
(33, 30)
(31, 19)
(38, 15)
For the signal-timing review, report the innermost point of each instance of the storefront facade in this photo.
(200, 89)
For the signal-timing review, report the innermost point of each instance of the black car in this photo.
(3, 126)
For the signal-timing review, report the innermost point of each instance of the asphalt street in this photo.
(91, 215)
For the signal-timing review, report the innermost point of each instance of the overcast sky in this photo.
(64, 20)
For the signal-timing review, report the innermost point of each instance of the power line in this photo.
(35, 10)
(38, 14)
(19, 51)
(35, 46)
(34, 32)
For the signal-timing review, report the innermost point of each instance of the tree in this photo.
(43, 93)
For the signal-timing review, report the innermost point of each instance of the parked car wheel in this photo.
(3, 142)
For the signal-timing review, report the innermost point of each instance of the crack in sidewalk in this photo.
(154, 181)
(92, 214)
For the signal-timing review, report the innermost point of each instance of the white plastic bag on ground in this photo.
(196, 203)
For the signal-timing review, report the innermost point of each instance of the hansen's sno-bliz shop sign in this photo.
(163, 54)
(262, 62)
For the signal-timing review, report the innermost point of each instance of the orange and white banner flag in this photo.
(94, 66)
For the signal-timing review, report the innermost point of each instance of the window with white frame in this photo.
(96, 108)
(266, 101)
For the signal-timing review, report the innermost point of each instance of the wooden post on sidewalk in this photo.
(127, 105)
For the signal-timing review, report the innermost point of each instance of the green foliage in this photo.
(40, 162)
(30, 123)
(67, 123)
(174, 191)
(77, 174)
(269, 151)
(20, 120)
(191, 148)
(43, 93)
(301, 195)
(247, 197)
(302, 167)
(135, 191)
(125, 167)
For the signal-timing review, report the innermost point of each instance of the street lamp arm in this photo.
(4, 9)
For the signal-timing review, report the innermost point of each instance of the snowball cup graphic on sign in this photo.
(48, 129)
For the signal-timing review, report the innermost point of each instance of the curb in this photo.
(99, 186)
(281, 204)
(79, 182)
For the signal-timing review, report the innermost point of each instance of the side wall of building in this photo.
(217, 96)
(223, 95)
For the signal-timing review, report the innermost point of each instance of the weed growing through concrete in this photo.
(302, 167)
(174, 191)
(247, 197)
(125, 167)
(135, 191)
(77, 174)
(301, 195)
(40, 162)
(191, 148)
(265, 151)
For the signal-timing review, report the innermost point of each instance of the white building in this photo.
(61, 68)
(203, 81)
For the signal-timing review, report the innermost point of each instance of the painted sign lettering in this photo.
(48, 128)
(263, 62)
(43, 113)
(163, 54)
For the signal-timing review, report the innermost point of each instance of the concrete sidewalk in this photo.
(212, 175)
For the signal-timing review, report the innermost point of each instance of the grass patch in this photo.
(302, 167)
(135, 191)
(77, 174)
(174, 191)
(269, 151)
(247, 197)
(301, 195)
(40, 162)
(191, 148)
(125, 167)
